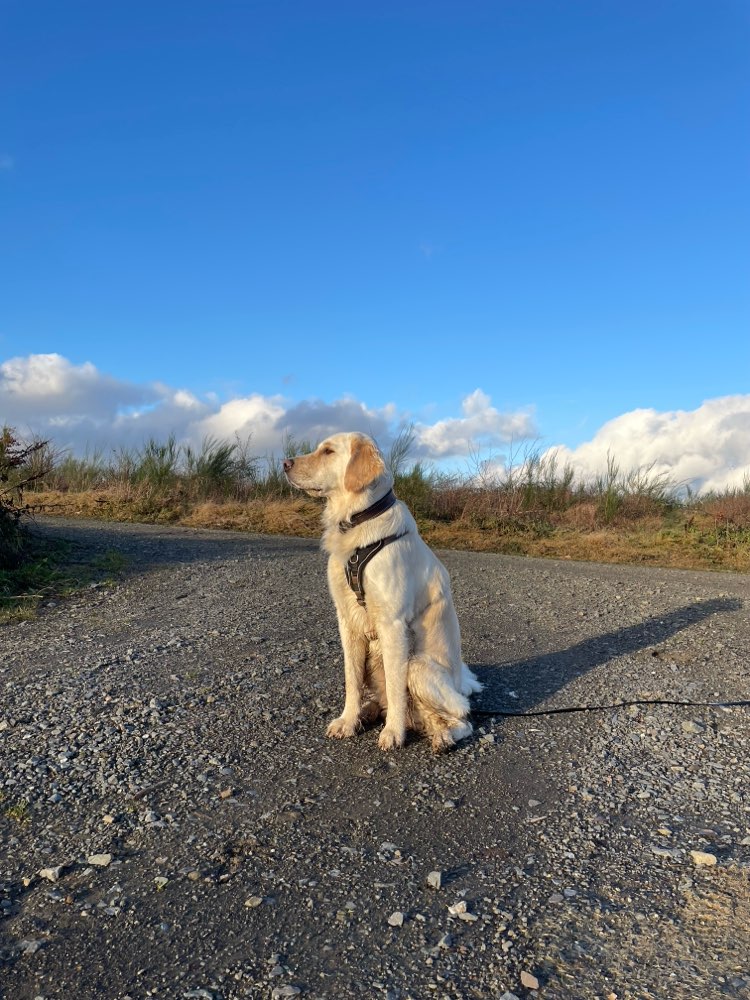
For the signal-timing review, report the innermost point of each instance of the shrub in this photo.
(20, 467)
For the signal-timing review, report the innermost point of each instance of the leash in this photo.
(569, 709)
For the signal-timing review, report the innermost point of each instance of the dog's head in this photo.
(344, 464)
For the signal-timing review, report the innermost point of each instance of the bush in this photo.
(20, 467)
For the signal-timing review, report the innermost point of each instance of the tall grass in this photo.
(531, 491)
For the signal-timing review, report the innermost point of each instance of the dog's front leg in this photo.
(394, 642)
(355, 656)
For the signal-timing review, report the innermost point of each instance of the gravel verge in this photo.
(174, 823)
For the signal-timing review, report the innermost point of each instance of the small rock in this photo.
(703, 858)
(529, 981)
(691, 726)
(285, 991)
(160, 881)
(226, 793)
(445, 941)
(508, 996)
(31, 946)
(51, 874)
(457, 908)
(666, 852)
(99, 860)
(435, 879)
(396, 919)
(253, 901)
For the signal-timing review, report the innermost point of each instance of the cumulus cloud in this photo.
(707, 448)
(482, 427)
(79, 407)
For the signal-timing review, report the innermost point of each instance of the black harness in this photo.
(357, 561)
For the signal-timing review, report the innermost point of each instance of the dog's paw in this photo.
(389, 739)
(342, 728)
(442, 741)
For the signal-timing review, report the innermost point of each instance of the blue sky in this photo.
(393, 203)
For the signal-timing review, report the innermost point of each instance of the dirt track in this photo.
(170, 726)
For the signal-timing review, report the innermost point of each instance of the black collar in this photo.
(379, 507)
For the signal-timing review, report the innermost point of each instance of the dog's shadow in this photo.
(537, 678)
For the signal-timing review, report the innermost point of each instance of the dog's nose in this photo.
(288, 463)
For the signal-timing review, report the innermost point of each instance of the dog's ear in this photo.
(365, 465)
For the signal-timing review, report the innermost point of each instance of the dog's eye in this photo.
(328, 451)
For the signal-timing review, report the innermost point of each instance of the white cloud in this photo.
(77, 406)
(42, 387)
(706, 448)
(482, 426)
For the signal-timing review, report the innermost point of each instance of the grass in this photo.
(50, 570)
(17, 811)
(533, 507)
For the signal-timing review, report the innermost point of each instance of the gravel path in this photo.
(173, 822)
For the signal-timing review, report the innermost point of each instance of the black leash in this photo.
(604, 708)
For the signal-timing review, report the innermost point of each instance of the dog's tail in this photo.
(431, 685)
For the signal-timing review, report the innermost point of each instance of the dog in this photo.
(398, 626)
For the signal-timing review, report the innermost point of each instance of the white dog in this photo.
(398, 626)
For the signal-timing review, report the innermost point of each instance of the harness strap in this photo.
(357, 561)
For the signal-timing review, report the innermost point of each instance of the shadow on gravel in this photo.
(537, 678)
(162, 545)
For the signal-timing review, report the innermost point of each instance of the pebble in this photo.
(691, 726)
(31, 946)
(703, 858)
(285, 991)
(529, 981)
(160, 881)
(396, 919)
(253, 901)
(99, 860)
(51, 874)
(435, 879)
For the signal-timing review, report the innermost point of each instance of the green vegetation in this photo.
(17, 811)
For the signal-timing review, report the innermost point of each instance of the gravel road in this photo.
(173, 822)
